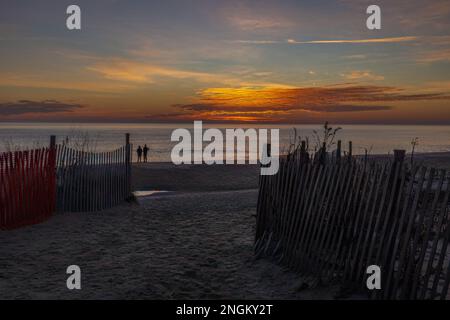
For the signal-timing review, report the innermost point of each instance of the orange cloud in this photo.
(132, 71)
(284, 104)
(362, 75)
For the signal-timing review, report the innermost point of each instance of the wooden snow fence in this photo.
(331, 221)
(92, 181)
(27, 187)
(33, 183)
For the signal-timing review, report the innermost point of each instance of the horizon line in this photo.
(225, 122)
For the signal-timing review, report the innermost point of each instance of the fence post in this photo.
(323, 154)
(53, 169)
(128, 162)
(399, 156)
(53, 150)
(52, 141)
(350, 147)
(304, 156)
(394, 185)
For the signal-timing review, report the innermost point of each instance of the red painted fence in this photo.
(27, 187)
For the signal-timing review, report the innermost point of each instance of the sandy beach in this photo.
(193, 242)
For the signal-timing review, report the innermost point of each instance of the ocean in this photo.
(377, 139)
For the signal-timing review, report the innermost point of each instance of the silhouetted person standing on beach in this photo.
(139, 153)
(145, 153)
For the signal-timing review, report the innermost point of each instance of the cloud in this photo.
(435, 56)
(132, 73)
(257, 23)
(373, 40)
(42, 81)
(28, 106)
(426, 14)
(139, 72)
(257, 41)
(284, 104)
(264, 17)
(355, 57)
(337, 41)
(312, 107)
(362, 75)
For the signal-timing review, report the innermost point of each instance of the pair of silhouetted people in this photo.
(142, 151)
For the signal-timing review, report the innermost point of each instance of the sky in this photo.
(226, 61)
